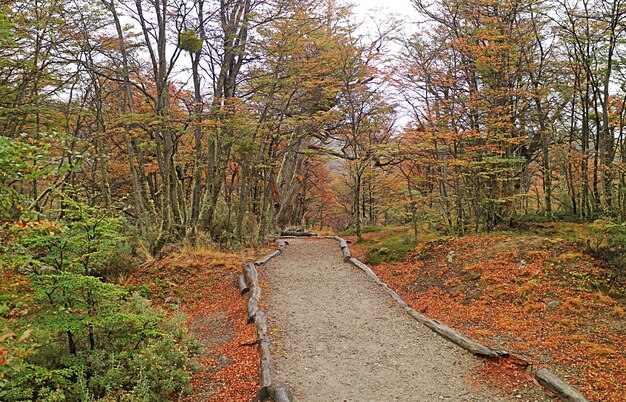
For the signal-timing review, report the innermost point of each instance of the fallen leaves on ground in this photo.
(202, 285)
(543, 299)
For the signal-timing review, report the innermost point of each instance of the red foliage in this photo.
(205, 286)
(541, 298)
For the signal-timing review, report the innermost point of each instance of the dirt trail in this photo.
(339, 337)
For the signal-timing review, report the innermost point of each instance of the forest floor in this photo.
(338, 336)
(539, 296)
(202, 285)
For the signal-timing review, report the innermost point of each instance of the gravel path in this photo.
(339, 337)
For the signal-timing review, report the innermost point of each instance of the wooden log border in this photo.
(269, 388)
(252, 278)
(243, 285)
(563, 390)
(343, 244)
(545, 378)
(295, 233)
(280, 246)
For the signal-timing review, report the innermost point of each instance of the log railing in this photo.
(274, 390)
(270, 389)
(547, 379)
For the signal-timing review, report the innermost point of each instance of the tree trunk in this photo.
(71, 343)
(545, 153)
(357, 203)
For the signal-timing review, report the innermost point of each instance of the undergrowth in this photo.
(68, 331)
(389, 246)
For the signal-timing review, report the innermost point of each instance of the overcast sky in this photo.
(402, 7)
(366, 9)
(369, 11)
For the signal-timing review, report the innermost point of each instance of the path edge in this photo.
(270, 389)
(544, 377)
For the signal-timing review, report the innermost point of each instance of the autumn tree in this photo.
(469, 90)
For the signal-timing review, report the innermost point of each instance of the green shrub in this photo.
(17, 165)
(86, 240)
(66, 334)
(90, 340)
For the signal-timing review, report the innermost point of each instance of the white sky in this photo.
(377, 10)
(371, 10)
(401, 7)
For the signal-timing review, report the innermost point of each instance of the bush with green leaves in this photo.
(83, 240)
(66, 332)
(87, 339)
(18, 164)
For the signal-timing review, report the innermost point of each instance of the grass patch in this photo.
(388, 247)
(390, 244)
(598, 350)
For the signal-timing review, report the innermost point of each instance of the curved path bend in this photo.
(337, 336)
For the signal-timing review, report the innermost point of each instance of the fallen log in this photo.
(269, 390)
(563, 390)
(343, 244)
(345, 250)
(243, 286)
(366, 269)
(296, 233)
(252, 279)
(280, 246)
(268, 258)
(279, 392)
(454, 336)
(265, 370)
(253, 308)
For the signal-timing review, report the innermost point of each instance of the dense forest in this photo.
(129, 129)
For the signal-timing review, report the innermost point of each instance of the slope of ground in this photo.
(338, 336)
(202, 286)
(541, 297)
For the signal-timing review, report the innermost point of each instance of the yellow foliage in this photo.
(570, 256)
(484, 332)
(526, 289)
(598, 350)
(605, 299)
